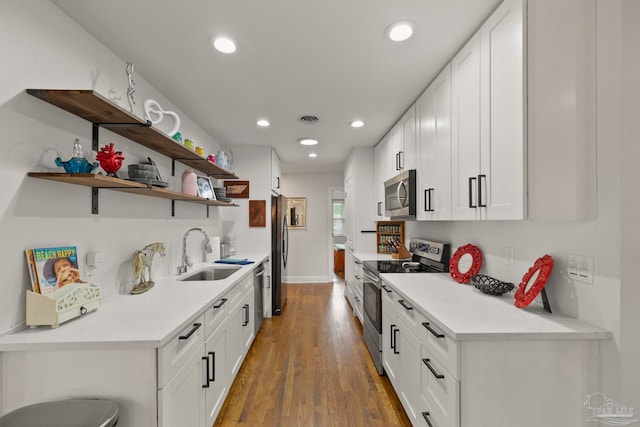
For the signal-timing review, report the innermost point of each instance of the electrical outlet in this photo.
(580, 268)
(510, 257)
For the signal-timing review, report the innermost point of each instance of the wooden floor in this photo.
(310, 367)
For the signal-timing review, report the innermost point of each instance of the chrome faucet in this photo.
(186, 260)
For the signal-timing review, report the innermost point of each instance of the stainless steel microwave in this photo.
(400, 195)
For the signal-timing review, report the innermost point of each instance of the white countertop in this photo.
(362, 256)
(465, 313)
(147, 320)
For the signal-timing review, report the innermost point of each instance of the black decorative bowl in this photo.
(490, 286)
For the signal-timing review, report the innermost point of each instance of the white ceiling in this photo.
(327, 58)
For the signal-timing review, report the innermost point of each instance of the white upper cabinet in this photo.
(359, 197)
(403, 143)
(275, 173)
(561, 103)
(382, 169)
(488, 173)
(433, 113)
(501, 184)
(465, 132)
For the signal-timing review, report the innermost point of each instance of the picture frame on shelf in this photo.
(205, 189)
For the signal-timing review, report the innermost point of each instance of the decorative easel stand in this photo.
(69, 302)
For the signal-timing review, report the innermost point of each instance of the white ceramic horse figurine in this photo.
(141, 263)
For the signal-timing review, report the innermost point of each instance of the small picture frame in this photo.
(205, 189)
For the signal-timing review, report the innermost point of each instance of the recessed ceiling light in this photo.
(263, 123)
(356, 124)
(400, 31)
(224, 44)
(312, 155)
(308, 141)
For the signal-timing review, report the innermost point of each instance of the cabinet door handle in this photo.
(206, 375)
(480, 178)
(401, 160)
(386, 289)
(357, 298)
(397, 161)
(395, 340)
(392, 338)
(433, 331)
(358, 277)
(379, 208)
(425, 415)
(426, 197)
(430, 191)
(246, 308)
(433, 371)
(278, 185)
(222, 302)
(471, 185)
(196, 326)
(212, 354)
(405, 305)
(358, 262)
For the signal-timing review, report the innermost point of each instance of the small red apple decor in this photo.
(110, 160)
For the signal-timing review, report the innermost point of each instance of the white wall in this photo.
(608, 302)
(309, 249)
(630, 292)
(43, 48)
(253, 164)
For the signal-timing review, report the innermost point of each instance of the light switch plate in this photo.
(580, 268)
(510, 256)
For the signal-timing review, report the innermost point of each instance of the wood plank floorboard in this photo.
(310, 367)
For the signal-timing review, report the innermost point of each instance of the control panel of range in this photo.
(436, 251)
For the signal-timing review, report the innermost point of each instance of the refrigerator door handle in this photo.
(285, 240)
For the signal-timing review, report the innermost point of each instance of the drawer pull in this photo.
(386, 289)
(405, 305)
(196, 326)
(433, 371)
(425, 415)
(206, 375)
(222, 302)
(433, 331)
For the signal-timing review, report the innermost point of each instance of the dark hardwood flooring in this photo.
(310, 367)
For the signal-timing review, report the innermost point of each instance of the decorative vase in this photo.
(189, 183)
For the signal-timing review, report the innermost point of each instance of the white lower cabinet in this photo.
(181, 401)
(216, 380)
(401, 357)
(240, 329)
(488, 381)
(440, 393)
(182, 383)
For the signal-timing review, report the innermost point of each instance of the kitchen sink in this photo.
(211, 273)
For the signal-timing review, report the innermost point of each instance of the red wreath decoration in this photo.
(475, 253)
(523, 297)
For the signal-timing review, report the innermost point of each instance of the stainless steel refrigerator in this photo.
(279, 252)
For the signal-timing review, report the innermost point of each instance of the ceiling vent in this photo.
(308, 120)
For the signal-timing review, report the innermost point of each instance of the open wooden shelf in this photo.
(107, 182)
(93, 107)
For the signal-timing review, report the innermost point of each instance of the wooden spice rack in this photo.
(102, 113)
(388, 232)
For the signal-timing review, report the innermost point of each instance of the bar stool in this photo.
(64, 413)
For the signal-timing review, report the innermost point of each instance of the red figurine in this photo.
(110, 159)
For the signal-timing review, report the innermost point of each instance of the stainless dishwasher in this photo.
(258, 289)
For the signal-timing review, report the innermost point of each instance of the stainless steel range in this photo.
(427, 257)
